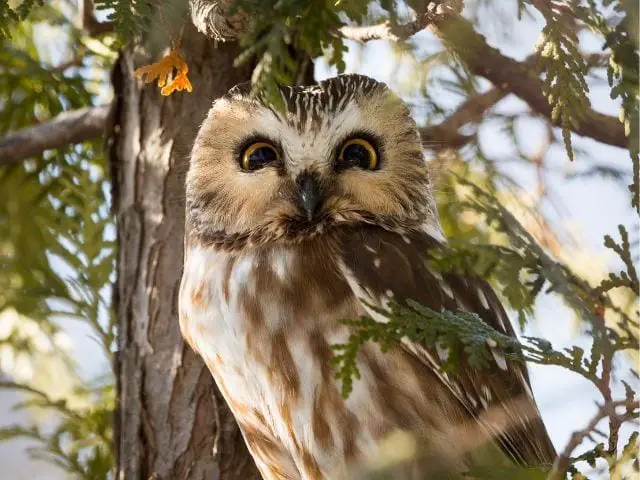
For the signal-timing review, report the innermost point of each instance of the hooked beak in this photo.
(309, 193)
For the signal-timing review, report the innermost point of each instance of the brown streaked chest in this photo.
(256, 298)
(264, 322)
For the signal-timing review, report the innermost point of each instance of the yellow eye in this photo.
(358, 152)
(258, 155)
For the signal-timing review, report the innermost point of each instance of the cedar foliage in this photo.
(57, 234)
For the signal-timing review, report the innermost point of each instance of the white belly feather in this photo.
(214, 321)
(243, 349)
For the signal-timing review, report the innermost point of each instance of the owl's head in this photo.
(344, 151)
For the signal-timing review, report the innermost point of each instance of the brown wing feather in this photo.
(380, 261)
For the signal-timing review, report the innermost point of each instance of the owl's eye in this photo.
(258, 155)
(358, 152)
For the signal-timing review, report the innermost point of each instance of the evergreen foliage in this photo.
(565, 84)
(131, 17)
(57, 249)
(466, 333)
(10, 15)
(621, 37)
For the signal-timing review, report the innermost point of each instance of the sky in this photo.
(589, 208)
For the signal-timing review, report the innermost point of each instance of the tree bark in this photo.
(171, 421)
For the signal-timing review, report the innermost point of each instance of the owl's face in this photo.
(345, 151)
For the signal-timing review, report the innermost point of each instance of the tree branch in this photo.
(505, 73)
(67, 128)
(512, 76)
(446, 135)
(211, 19)
(563, 461)
(76, 61)
(427, 13)
(93, 27)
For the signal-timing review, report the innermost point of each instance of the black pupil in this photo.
(355, 155)
(261, 157)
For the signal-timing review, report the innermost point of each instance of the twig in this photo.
(430, 11)
(47, 402)
(505, 73)
(604, 385)
(93, 27)
(446, 135)
(74, 62)
(67, 128)
(563, 460)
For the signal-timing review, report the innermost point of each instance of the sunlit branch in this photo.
(446, 134)
(65, 129)
(505, 73)
(93, 27)
(76, 61)
(427, 13)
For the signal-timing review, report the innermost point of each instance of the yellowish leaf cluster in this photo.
(161, 70)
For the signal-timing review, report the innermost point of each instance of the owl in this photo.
(298, 218)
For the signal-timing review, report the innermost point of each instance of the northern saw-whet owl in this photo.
(294, 218)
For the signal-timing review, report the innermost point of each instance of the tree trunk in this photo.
(171, 421)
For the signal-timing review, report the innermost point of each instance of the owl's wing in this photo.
(380, 264)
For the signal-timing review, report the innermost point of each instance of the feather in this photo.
(377, 260)
(265, 286)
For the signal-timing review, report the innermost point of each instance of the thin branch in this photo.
(430, 11)
(512, 76)
(381, 31)
(505, 73)
(563, 461)
(46, 401)
(67, 128)
(446, 134)
(93, 27)
(76, 61)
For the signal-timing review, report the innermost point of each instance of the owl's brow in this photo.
(314, 103)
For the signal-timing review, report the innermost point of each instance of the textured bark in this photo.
(172, 422)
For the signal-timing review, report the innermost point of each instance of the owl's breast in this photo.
(244, 301)
(264, 323)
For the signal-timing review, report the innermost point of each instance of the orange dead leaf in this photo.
(161, 70)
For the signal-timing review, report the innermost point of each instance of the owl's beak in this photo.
(309, 193)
